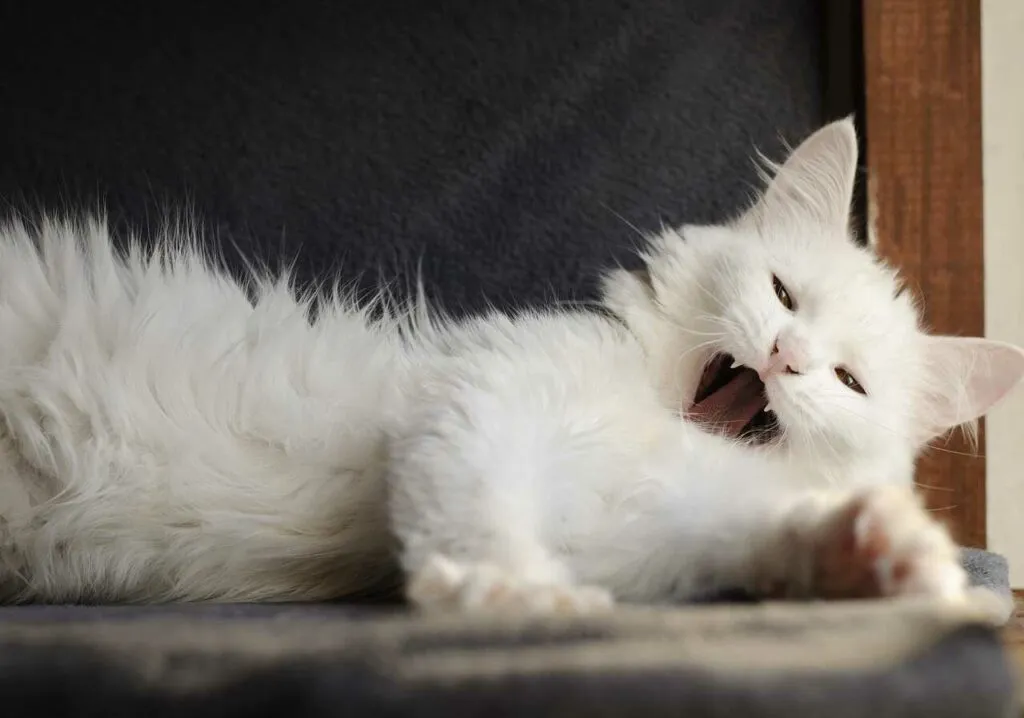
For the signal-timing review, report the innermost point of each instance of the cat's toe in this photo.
(496, 592)
(576, 600)
(438, 584)
(443, 584)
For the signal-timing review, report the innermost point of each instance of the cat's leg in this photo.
(869, 543)
(469, 498)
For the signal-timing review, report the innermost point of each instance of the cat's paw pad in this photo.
(443, 584)
(882, 542)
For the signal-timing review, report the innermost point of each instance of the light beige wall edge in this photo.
(1002, 87)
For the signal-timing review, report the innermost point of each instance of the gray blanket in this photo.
(989, 570)
(840, 659)
(883, 658)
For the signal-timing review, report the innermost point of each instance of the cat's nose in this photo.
(787, 358)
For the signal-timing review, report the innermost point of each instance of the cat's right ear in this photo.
(815, 184)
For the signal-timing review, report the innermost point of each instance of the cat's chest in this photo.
(644, 475)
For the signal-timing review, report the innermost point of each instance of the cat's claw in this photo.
(446, 585)
(882, 542)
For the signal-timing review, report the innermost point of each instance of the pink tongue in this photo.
(733, 406)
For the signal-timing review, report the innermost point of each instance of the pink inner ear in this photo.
(815, 183)
(969, 376)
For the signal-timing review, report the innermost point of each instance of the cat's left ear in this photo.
(967, 377)
(815, 184)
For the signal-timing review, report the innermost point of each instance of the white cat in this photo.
(170, 434)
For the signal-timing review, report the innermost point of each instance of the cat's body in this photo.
(165, 437)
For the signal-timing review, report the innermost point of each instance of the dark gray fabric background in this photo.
(492, 143)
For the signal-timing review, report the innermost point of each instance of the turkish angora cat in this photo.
(744, 415)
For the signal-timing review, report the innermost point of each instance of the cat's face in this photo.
(828, 353)
(826, 341)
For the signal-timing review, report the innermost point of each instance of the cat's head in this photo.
(821, 330)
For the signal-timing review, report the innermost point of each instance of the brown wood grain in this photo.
(923, 131)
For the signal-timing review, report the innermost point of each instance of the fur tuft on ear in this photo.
(872, 220)
(816, 182)
(966, 378)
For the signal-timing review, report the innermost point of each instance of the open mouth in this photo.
(731, 399)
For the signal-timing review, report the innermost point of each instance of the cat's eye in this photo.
(783, 294)
(843, 374)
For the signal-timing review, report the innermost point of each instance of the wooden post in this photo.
(924, 163)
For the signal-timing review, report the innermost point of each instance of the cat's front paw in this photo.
(882, 542)
(446, 585)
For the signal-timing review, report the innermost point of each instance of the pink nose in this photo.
(786, 358)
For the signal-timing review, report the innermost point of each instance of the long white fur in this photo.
(170, 433)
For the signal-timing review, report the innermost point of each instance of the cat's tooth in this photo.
(767, 408)
(734, 364)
